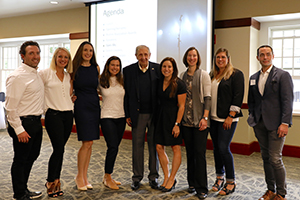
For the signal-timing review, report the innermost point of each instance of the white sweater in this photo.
(112, 100)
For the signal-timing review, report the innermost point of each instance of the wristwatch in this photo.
(230, 115)
(177, 124)
(206, 118)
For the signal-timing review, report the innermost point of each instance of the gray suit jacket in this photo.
(275, 106)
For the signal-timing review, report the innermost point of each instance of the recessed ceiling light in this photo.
(54, 2)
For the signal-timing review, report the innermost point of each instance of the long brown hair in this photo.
(105, 76)
(77, 61)
(229, 70)
(173, 81)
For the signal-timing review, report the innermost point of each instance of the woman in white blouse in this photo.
(112, 115)
(59, 115)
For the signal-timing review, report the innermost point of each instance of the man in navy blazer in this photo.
(140, 83)
(270, 102)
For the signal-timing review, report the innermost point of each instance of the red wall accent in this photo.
(238, 148)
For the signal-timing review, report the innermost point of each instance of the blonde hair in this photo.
(69, 67)
(229, 70)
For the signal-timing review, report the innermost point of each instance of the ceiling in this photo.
(12, 8)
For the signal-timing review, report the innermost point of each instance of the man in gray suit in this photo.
(270, 102)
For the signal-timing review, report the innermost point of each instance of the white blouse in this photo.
(112, 100)
(57, 92)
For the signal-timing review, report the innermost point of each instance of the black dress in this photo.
(167, 115)
(86, 106)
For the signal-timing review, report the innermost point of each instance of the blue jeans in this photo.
(221, 141)
(271, 151)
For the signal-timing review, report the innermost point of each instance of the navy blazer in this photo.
(230, 92)
(132, 96)
(275, 106)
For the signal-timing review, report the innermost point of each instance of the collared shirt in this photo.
(24, 95)
(263, 76)
(57, 92)
(143, 69)
(263, 79)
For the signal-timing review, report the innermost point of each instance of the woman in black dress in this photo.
(171, 95)
(86, 108)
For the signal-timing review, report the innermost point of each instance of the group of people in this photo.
(155, 103)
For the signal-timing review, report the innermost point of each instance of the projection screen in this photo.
(167, 27)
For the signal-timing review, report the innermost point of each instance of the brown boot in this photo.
(269, 195)
(279, 197)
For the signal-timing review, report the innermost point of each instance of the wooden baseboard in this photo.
(238, 148)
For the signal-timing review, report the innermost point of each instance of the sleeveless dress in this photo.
(87, 106)
(167, 115)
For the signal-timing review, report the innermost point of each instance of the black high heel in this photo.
(170, 189)
(227, 191)
(50, 190)
(161, 187)
(217, 186)
(59, 192)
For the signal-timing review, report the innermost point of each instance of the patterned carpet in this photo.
(249, 174)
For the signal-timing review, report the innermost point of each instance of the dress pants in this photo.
(59, 126)
(271, 151)
(138, 143)
(113, 130)
(195, 145)
(25, 153)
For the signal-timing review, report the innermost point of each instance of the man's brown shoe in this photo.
(269, 195)
(279, 197)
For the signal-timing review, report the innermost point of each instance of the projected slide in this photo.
(168, 27)
(123, 25)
